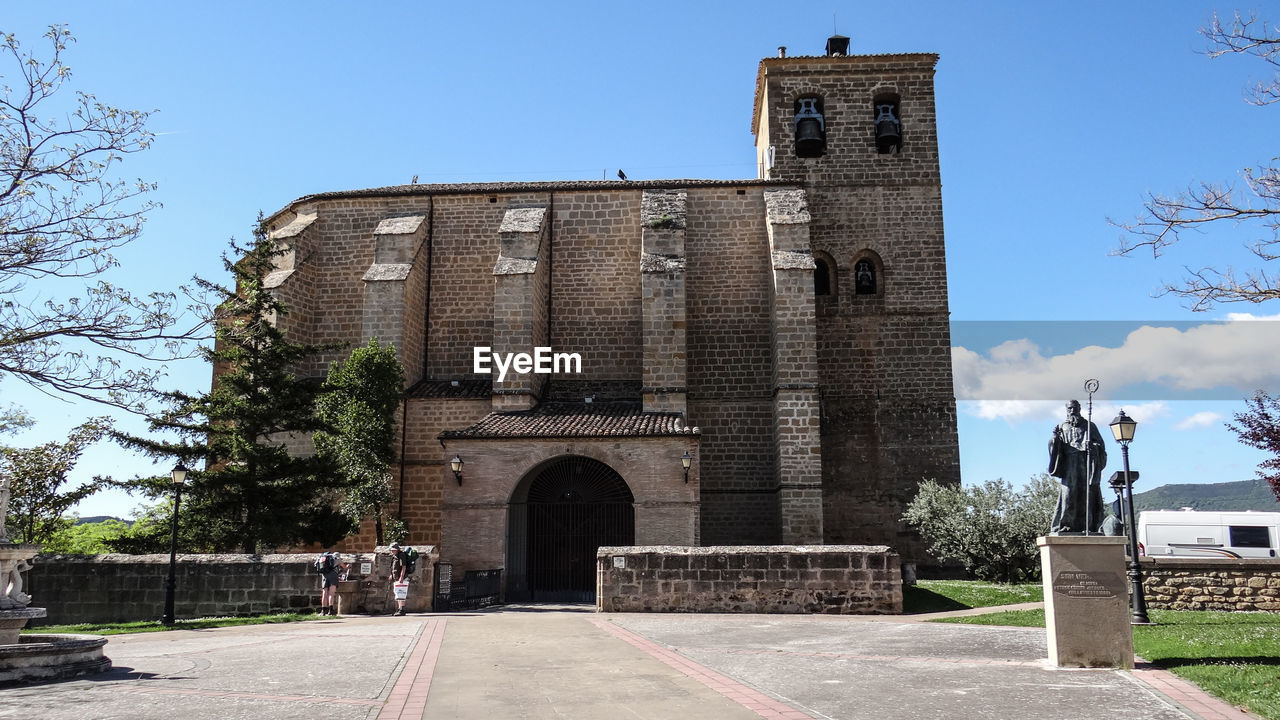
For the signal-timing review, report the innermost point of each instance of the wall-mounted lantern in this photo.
(686, 460)
(456, 466)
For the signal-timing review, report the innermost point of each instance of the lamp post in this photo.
(686, 460)
(456, 466)
(179, 476)
(1123, 428)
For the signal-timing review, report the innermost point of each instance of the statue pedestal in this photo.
(1086, 601)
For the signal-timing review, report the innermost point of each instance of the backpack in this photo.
(410, 560)
(324, 563)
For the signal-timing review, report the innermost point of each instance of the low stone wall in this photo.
(830, 579)
(123, 588)
(1211, 584)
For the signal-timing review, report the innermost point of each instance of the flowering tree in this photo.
(63, 211)
(990, 528)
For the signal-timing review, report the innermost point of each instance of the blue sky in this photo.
(1052, 119)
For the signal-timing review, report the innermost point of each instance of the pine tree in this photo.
(253, 492)
(359, 403)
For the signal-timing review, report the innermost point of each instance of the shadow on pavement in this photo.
(917, 600)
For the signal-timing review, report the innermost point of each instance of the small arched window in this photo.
(821, 278)
(865, 281)
(824, 275)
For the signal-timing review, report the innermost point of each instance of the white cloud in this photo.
(1199, 420)
(1234, 357)
(1013, 411)
(1053, 411)
(1245, 317)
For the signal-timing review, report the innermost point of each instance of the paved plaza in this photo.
(535, 662)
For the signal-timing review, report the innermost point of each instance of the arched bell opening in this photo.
(887, 124)
(868, 274)
(811, 127)
(560, 513)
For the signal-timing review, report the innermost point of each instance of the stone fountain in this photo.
(35, 657)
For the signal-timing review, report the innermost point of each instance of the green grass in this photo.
(155, 626)
(1019, 618)
(1234, 655)
(929, 596)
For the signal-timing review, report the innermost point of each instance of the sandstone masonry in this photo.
(785, 336)
(1211, 584)
(126, 588)
(834, 579)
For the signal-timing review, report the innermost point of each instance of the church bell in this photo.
(888, 129)
(811, 131)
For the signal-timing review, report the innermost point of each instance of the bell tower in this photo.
(858, 134)
(841, 117)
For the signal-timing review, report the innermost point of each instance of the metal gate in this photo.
(571, 507)
(479, 588)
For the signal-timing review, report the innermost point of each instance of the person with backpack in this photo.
(399, 574)
(330, 567)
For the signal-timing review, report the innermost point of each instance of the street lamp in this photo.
(179, 476)
(1123, 428)
(686, 460)
(456, 466)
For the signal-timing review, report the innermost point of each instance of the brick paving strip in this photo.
(1187, 694)
(752, 699)
(408, 698)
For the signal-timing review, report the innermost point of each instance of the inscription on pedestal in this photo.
(1078, 584)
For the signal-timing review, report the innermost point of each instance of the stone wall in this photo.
(125, 588)
(831, 579)
(1211, 584)
(730, 364)
(595, 302)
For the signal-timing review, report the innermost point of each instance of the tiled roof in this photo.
(494, 188)
(577, 420)
(470, 388)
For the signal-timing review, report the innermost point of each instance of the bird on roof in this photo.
(622, 175)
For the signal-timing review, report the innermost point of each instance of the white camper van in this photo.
(1191, 533)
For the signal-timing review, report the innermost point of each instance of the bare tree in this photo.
(62, 213)
(1255, 205)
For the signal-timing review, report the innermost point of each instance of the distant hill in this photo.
(1242, 495)
(100, 518)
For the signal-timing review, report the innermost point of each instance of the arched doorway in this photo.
(560, 514)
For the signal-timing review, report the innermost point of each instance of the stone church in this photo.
(660, 362)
